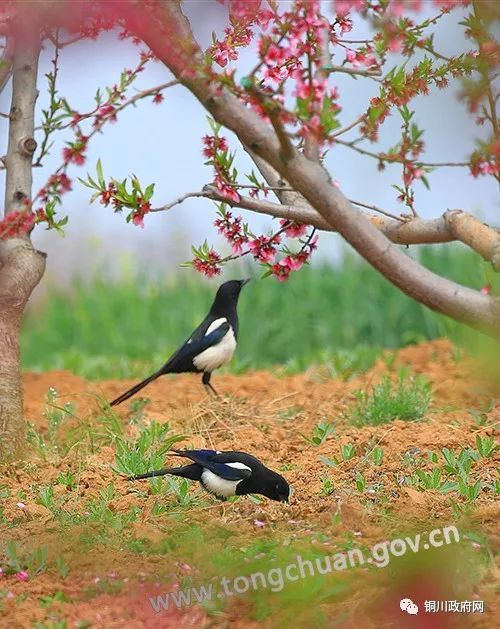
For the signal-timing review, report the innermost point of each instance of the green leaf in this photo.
(148, 193)
(100, 176)
(90, 183)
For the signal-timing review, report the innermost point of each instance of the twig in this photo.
(148, 92)
(382, 157)
(352, 71)
(309, 238)
(63, 167)
(436, 54)
(348, 127)
(181, 199)
(264, 187)
(311, 144)
(139, 96)
(354, 41)
(484, 73)
(375, 208)
(54, 104)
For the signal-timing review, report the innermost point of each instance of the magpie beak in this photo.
(225, 474)
(209, 347)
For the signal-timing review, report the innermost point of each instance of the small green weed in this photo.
(17, 560)
(377, 455)
(347, 452)
(146, 453)
(321, 432)
(408, 399)
(327, 487)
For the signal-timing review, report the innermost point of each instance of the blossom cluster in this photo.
(74, 152)
(216, 149)
(293, 84)
(121, 195)
(265, 248)
(16, 224)
(233, 230)
(57, 184)
(138, 203)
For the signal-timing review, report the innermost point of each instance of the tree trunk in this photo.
(21, 271)
(21, 267)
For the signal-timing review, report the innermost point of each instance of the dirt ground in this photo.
(270, 415)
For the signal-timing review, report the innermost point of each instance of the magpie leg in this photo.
(206, 383)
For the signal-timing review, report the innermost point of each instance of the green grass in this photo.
(408, 399)
(334, 316)
(184, 537)
(458, 474)
(147, 452)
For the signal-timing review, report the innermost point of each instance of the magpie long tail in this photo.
(136, 388)
(193, 472)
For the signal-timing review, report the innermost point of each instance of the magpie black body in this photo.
(209, 347)
(227, 474)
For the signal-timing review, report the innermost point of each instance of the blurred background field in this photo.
(341, 316)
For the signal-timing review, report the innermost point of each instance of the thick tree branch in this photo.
(311, 181)
(477, 235)
(454, 225)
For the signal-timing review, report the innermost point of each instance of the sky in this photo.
(162, 144)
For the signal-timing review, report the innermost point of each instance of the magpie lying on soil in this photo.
(209, 347)
(227, 474)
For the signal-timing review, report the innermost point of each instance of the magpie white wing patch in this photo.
(217, 485)
(215, 324)
(220, 486)
(217, 355)
(238, 466)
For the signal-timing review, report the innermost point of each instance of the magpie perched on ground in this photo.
(227, 474)
(209, 347)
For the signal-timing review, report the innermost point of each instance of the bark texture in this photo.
(21, 266)
(19, 275)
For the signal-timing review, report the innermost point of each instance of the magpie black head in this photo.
(227, 295)
(276, 487)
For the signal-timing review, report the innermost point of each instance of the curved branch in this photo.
(477, 235)
(311, 181)
(451, 226)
